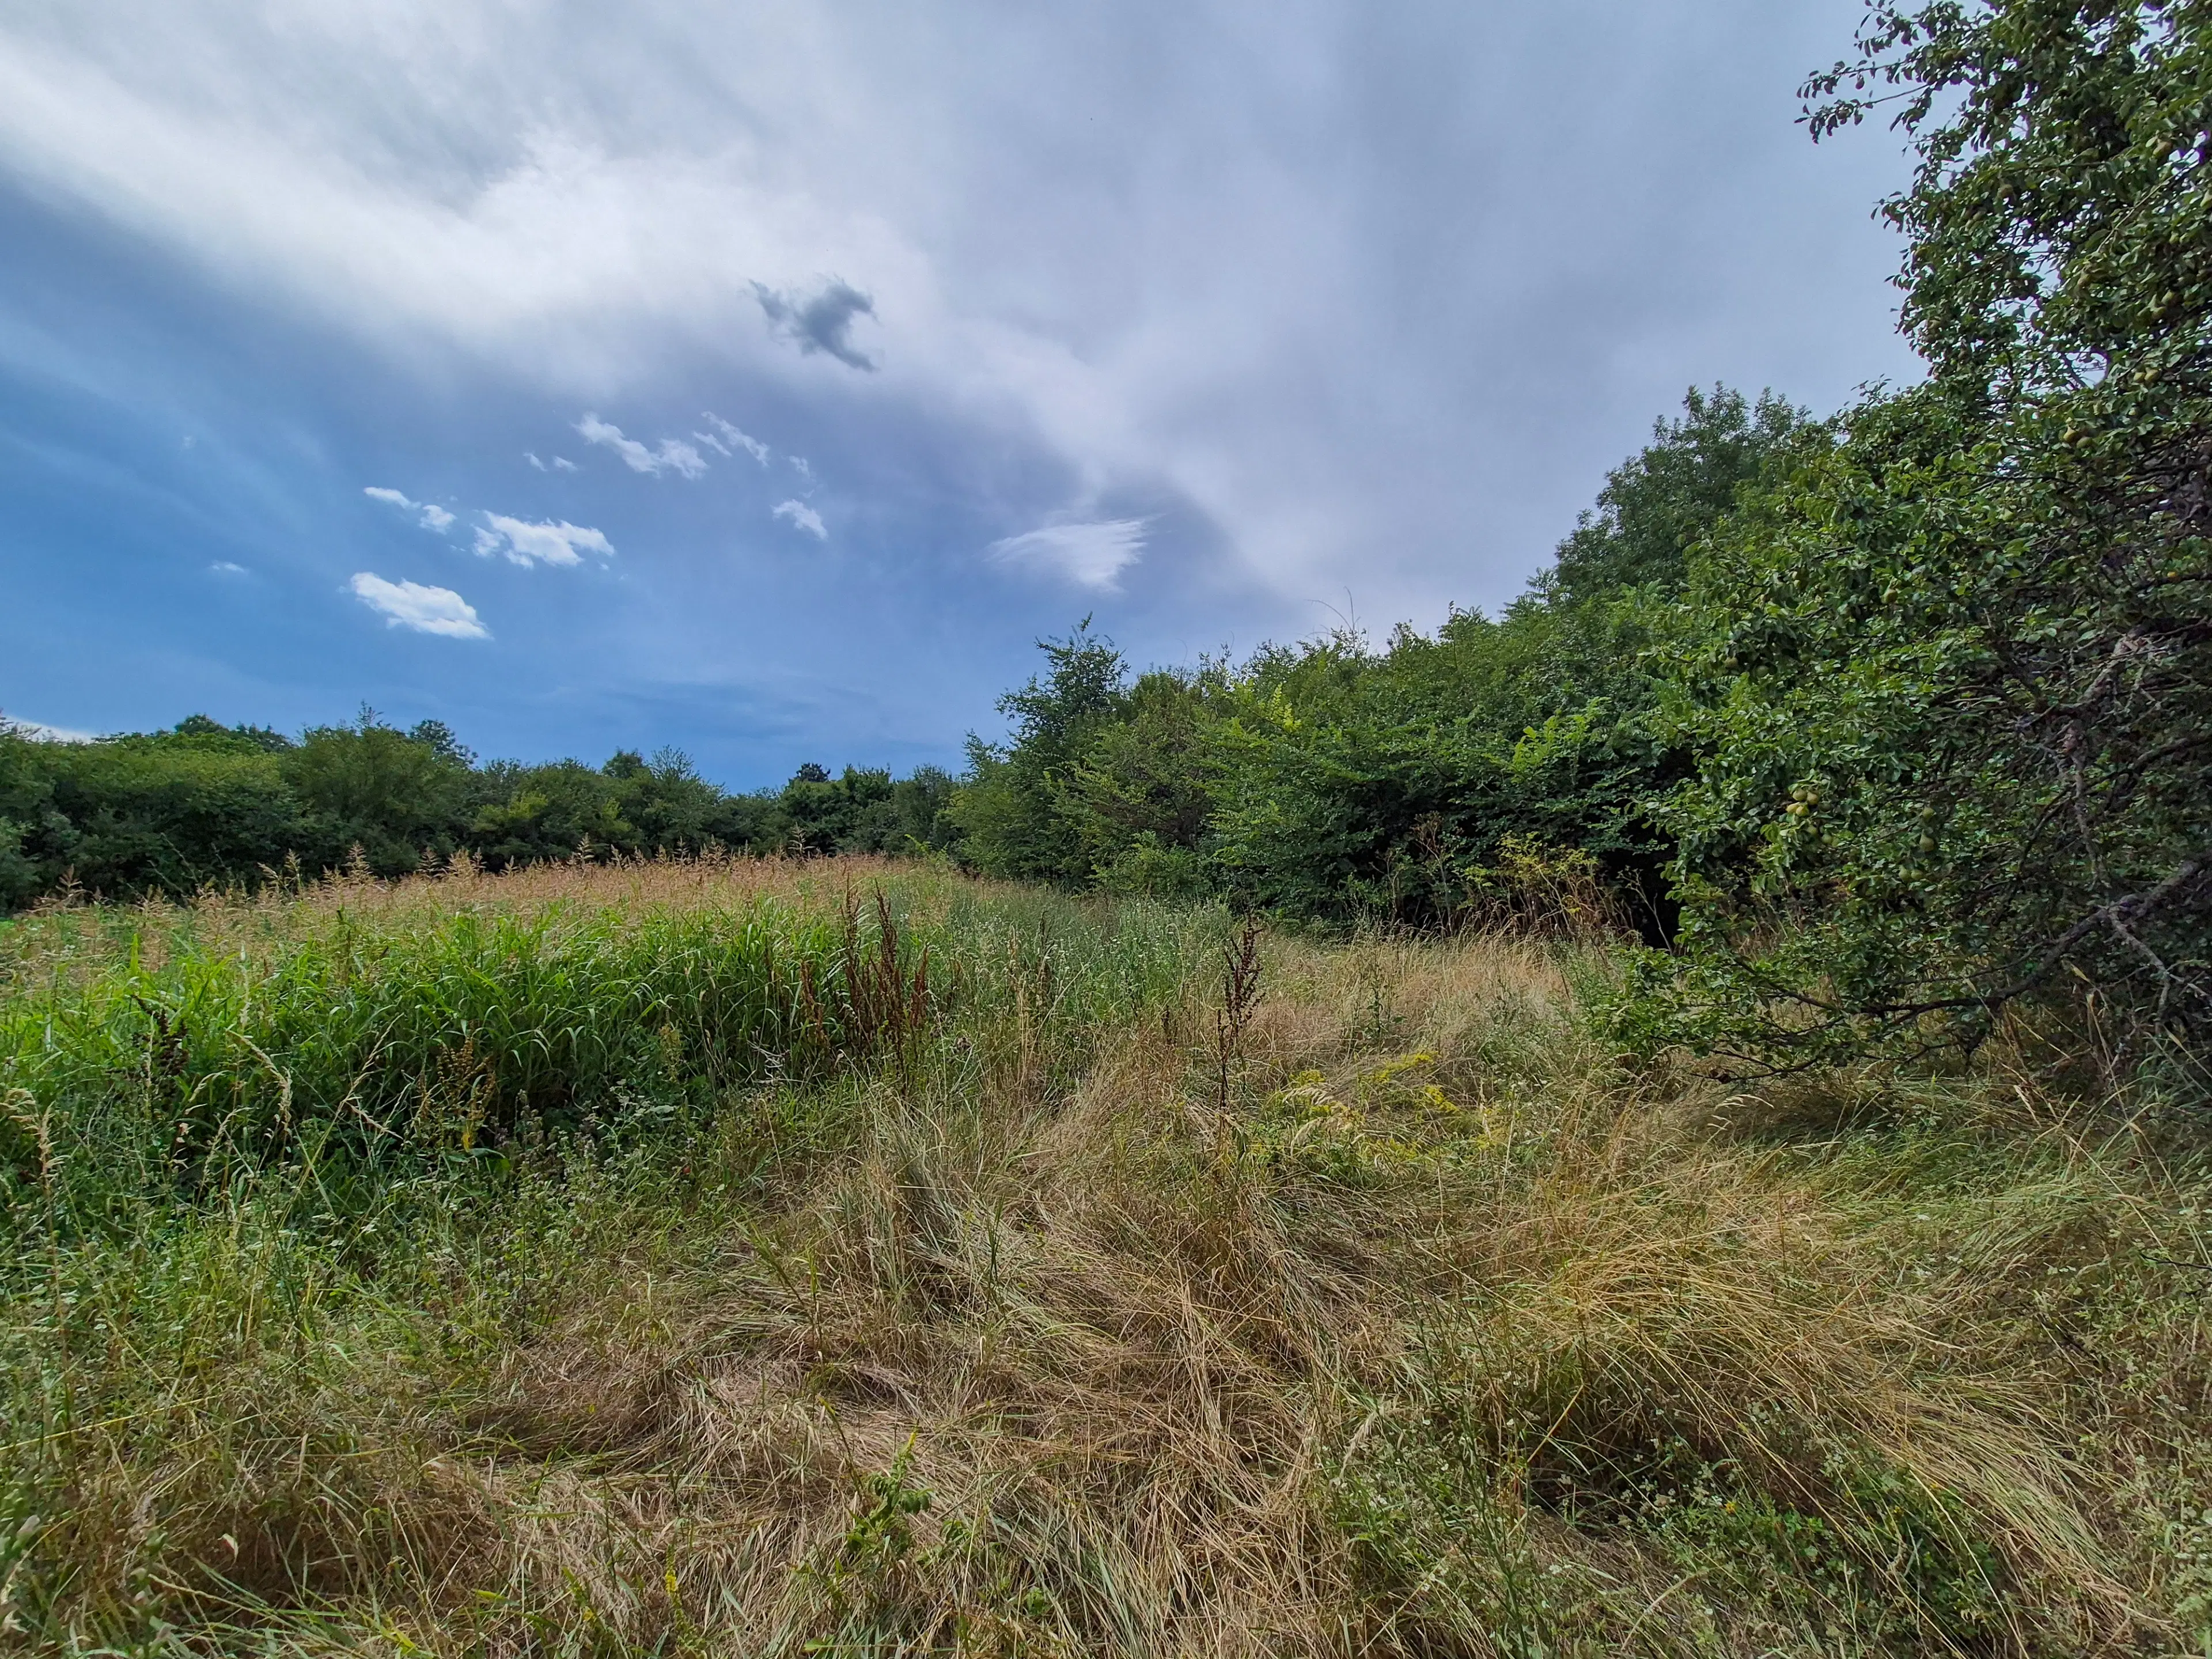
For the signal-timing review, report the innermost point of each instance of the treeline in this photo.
(209, 805)
(1401, 784)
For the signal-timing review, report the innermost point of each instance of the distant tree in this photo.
(438, 737)
(921, 805)
(166, 813)
(669, 806)
(198, 731)
(1137, 798)
(29, 826)
(396, 797)
(818, 815)
(1656, 506)
(1009, 812)
(204, 804)
(537, 814)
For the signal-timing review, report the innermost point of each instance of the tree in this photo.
(1952, 683)
(166, 812)
(396, 797)
(1137, 800)
(853, 813)
(1008, 812)
(1655, 505)
(1357, 783)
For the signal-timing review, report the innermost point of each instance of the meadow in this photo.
(754, 1257)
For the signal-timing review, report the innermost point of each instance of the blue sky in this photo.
(764, 380)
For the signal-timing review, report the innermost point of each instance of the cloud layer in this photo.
(1312, 276)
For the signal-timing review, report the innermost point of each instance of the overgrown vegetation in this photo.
(841, 1257)
(1876, 725)
(1263, 1185)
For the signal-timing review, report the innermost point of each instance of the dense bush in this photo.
(1329, 780)
(1950, 682)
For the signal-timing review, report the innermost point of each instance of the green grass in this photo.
(359, 1048)
(673, 1261)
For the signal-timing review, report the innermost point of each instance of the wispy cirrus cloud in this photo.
(1092, 555)
(38, 732)
(555, 541)
(428, 514)
(673, 455)
(561, 463)
(422, 609)
(803, 517)
(727, 439)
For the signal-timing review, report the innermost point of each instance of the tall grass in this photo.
(365, 1035)
(556, 1276)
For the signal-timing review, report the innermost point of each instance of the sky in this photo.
(765, 380)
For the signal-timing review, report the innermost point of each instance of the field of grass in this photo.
(854, 1258)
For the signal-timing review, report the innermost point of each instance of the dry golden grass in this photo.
(1449, 1336)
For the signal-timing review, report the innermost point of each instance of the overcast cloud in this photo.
(1223, 320)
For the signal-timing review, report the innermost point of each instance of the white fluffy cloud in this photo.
(672, 456)
(1091, 554)
(552, 542)
(437, 611)
(803, 517)
(428, 514)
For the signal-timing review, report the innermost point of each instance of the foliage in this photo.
(862, 810)
(1658, 505)
(1008, 812)
(395, 797)
(1332, 780)
(1951, 683)
(169, 811)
